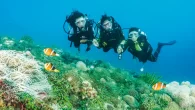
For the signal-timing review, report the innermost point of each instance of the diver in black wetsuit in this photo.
(140, 48)
(82, 30)
(110, 34)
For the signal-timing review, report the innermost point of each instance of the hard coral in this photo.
(163, 99)
(73, 80)
(131, 101)
(172, 106)
(7, 41)
(81, 66)
(88, 91)
(148, 104)
(26, 39)
(7, 97)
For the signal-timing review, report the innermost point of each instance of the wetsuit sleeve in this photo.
(91, 36)
(100, 40)
(122, 37)
(127, 44)
(71, 35)
(119, 37)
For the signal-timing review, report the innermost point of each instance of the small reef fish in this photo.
(158, 86)
(50, 52)
(49, 67)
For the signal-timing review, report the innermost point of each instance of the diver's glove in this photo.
(104, 44)
(95, 43)
(120, 49)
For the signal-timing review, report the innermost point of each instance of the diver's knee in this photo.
(76, 45)
(154, 60)
(105, 50)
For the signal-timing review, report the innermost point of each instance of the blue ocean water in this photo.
(161, 20)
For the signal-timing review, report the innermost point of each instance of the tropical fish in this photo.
(158, 86)
(49, 67)
(50, 52)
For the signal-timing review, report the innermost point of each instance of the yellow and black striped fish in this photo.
(158, 86)
(50, 52)
(49, 67)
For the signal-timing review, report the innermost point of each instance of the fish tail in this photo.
(56, 71)
(57, 54)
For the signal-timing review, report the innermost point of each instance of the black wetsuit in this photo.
(88, 35)
(146, 50)
(111, 38)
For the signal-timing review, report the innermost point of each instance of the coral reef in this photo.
(150, 78)
(131, 101)
(24, 73)
(81, 66)
(88, 91)
(183, 94)
(80, 84)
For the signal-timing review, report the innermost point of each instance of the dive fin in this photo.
(168, 43)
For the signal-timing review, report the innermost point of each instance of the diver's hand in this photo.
(95, 43)
(119, 49)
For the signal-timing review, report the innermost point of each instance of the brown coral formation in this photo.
(87, 90)
(7, 97)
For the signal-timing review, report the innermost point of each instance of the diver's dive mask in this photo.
(81, 22)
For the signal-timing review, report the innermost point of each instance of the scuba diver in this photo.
(82, 31)
(110, 35)
(139, 47)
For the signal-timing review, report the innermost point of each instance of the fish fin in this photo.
(165, 85)
(45, 65)
(57, 54)
(56, 71)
